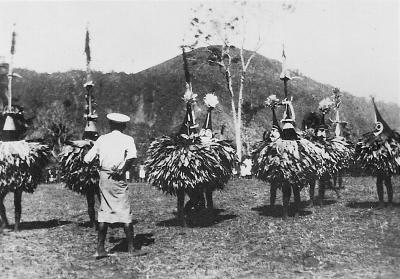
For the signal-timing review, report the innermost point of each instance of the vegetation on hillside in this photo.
(153, 98)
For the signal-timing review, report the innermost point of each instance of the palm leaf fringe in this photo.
(21, 165)
(337, 155)
(79, 176)
(378, 154)
(176, 162)
(284, 162)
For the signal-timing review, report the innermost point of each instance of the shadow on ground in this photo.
(276, 211)
(367, 204)
(36, 225)
(327, 202)
(87, 224)
(201, 219)
(144, 239)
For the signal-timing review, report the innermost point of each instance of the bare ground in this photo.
(244, 238)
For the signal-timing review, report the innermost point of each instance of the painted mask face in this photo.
(205, 133)
(378, 128)
(275, 134)
(321, 133)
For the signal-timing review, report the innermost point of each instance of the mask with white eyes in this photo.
(321, 133)
(275, 134)
(205, 133)
(378, 128)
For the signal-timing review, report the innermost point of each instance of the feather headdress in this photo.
(326, 105)
(211, 100)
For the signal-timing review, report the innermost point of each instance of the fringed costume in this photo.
(285, 160)
(21, 162)
(287, 163)
(79, 176)
(338, 152)
(189, 162)
(378, 153)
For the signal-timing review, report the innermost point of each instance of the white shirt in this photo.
(113, 149)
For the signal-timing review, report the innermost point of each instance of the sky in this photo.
(351, 44)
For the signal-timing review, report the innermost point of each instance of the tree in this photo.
(52, 125)
(221, 33)
(226, 30)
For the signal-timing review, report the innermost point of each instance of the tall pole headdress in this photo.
(90, 113)
(11, 69)
(288, 131)
(284, 76)
(9, 130)
(189, 123)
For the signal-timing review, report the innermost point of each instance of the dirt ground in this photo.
(244, 238)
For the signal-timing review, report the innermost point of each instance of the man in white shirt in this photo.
(116, 152)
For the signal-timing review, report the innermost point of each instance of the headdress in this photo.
(90, 113)
(188, 126)
(13, 127)
(272, 101)
(381, 127)
(211, 101)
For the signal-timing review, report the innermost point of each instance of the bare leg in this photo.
(91, 211)
(297, 200)
(379, 189)
(321, 189)
(102, 233)
(340, 180)
(286, 191)
(272, 194)
(180, 195)
(201, 201)
(18, 209)
(209, 199)
(337, 191)
(128, 228)
(312, 191)
(194, 199)
(3, 215)
(389, 189)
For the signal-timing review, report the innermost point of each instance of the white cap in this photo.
(118, 117)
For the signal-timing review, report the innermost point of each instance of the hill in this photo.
(153, 98)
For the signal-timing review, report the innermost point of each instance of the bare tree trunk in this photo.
(235, 115)
(239, 117)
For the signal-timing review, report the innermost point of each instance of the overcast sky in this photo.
(352, 44)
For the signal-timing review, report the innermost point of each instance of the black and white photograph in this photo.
(199, 139)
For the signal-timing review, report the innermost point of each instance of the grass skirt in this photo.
(338, 156)
(21, 165)
(79, 176)
(176, 162)
(378, 154)
(287, 162)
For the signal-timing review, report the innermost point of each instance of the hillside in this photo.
(153, 97)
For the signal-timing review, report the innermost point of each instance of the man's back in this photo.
(113, 149)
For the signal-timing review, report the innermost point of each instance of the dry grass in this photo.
(244, 239)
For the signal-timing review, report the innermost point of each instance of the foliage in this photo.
(158, 90)
(21, 165)
(284, 162)
(52, 125)
(378, 154)
(188, 162)
(78, 175)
